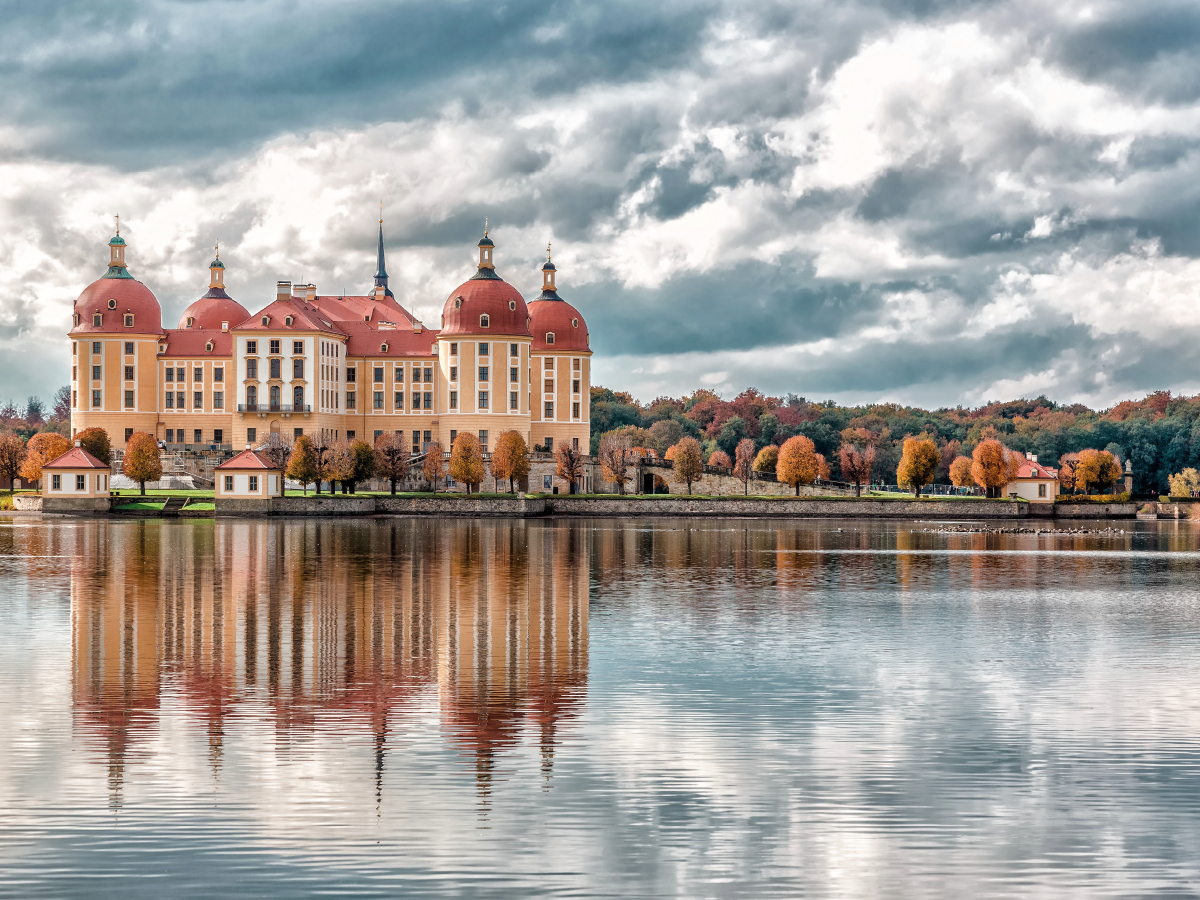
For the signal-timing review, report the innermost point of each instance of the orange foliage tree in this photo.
(823, 472)
(918, 464)
(743, 463)
(466, 460)
(993, 466)
(302, 465)
(12, 455)
(767, 459)
(434, 466)
(1066, 472)
(797, 463)
(688, 461)
(141, 462)
(510, 459)
(856, 465)
(95, 441)
(392, 459)
(1096, 468)
(960, 472)
(617, 454)
(569, 466)
(720, 458)
(41, 449)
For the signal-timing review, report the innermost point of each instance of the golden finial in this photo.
(547, 251)
(380, 212)
(485, 226)
(217, 250)
(118, 218)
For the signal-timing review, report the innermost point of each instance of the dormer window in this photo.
(574, 323)
(383, 348)
(190, 321)
(458, 302)
(112, 304)
(209, 346)
(266, 320)
(485, 321)
(76, 318)
(287, 321)
(549, 337)
(512, 304)
(128, 320)
(96, 320)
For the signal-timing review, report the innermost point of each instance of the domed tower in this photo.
(215, 310)
(115, 329)
(483, 353)
(560, 410)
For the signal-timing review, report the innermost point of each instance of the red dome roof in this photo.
(130, 296)
(498, 300)
(212, 309)
(560, 318)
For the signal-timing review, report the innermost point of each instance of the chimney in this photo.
(247, 445)
(310, 292)
(417, 326)
(283, 290)
(79, 443)
(1033, 457)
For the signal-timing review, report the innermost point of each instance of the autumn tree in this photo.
(510, 459)
(993, 466)
(960, 472)
(141, 462)
(362, 459)
(35, 411)
(950, 452)
(392, 459)
(1185, 483)
(569, 466)
(12, 455)
(823, 473)
(617, 455)
(720, 458)
(434, 465)
(1096, 468)
(322, 447)
(797, 463)
(95, 441)
(767, 459)
(62, 404)
(466, 460)
(856, 462)
(276, 450)
(303, 465)
(918, 464)
(688, 462)
(1066, 472)
(338, 466)
(743, 463)
(41, 449)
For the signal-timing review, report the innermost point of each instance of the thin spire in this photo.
(547, 251)
(485, 226)
(381, 275)
(118, 218)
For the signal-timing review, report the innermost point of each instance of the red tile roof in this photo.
(75, 458)
(304, 318)
(193, 343)
(248, 459)
(1029, 469)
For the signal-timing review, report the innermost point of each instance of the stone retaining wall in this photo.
(1092, 510)
(788, 507)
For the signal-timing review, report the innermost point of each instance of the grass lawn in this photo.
(141, 504)
(200, 505)
(133, 492)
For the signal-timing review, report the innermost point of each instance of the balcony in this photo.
(273, 408)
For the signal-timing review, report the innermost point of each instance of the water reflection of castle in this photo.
(319, 622)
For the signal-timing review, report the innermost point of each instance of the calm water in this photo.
(596, 709)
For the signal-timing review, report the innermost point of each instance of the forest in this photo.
(1159, 434)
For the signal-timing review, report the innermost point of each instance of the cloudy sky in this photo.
(912, 200)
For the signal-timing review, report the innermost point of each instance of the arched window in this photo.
(208, 346)
(485, 321)
(457, 302)
(574, 323)
(252, 397)
(190, 321)
(512, 304)
(275, 396)
(298, 398)
(266, 320)
(549, 337)
(383, 348)
(287, 321)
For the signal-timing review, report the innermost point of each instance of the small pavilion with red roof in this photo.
(1034, 482)
(74, 481)
(248, 476)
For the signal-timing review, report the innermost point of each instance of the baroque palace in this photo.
(347, 367)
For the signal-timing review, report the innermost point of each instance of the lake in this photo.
(596, 708)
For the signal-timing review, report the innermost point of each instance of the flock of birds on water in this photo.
(991, 529)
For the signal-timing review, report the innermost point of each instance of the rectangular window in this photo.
(228, 484)
(454, 399)
(129, 399)
(549, 364)
(429, 376)
(483, 399)
(398, 374)
(549, 386)
(198, 400)
(74, 399)
(453, 350)
(252, 368)
(95, 399)
(483, 373)
(483, 436)
(297, 348)
(129, 348)
(254, 484)
(276, 367)
(274, 346)
(351, 376)
(416, 402)
(181, 400)
(512, 399)
(218, 374)
(429, 437)
(379, 374)
(512, 374)
(170, 435)
(297, 432)
(197, 436)
(218, 401)
(549, 410)
(251, 435)
(398, 400)
(378, 435)
(95, 373)
(251, 347)
(128, 434)
(379, 399)
(575, 386)
(575, 364)
(170, 399)
(453, 437)
(56, 482)
(574, 410)
(549, 445)
(454, 373)
(95, 346)
(416, 444)
(351, 399)
(219, 436)
(574, 443)
(298, 367)
(513, 351)
(197, 374)
(179, 374)
(428, 400)
(170, 373)
(1041, 490)
(81, 482)
(483, 349)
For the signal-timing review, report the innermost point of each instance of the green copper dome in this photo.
(117, 241)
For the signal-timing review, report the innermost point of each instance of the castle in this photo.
(345, 366)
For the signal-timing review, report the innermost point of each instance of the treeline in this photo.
(1160, 434)
(35, 416)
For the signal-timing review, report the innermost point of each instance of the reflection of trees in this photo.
(327, 624)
